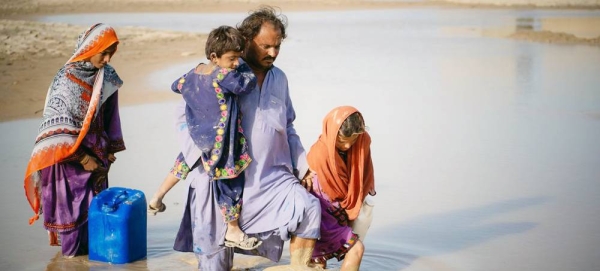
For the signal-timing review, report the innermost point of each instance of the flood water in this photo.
(486, 150)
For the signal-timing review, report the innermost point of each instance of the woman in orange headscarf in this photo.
(341, 162)
(77, 140)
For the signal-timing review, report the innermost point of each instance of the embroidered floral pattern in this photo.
(181, 81)
(339, 214)
(239, 165)
(181, 168)
(231, 213)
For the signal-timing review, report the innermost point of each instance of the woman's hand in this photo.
(307, 180)
(112, 158)
(89, 163)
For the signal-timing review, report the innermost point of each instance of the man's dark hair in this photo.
(354, 124)
(224, 39)
(264, 14)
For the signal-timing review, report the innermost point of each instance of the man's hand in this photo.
(307, 180)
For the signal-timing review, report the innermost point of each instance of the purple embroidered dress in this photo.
(336, 234)
(80, 117)
(214, 124)
(66, 188)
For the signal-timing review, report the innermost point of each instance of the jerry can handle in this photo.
(111, 207)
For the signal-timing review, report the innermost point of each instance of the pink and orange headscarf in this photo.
(346, 182)
(61, 133)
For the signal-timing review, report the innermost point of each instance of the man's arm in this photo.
(299, 162)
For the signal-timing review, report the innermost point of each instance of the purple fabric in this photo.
(75, 243)
(229, 197)
(184, 241)
(67, 189)
(66, 195)
(180, 168)
(214, 124)
(213, 117)
(333, 235)
(275, 204)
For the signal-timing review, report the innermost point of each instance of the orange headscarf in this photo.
(350, 182)
(93, 41)
(54, 143)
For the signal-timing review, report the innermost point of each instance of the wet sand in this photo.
(32, 52)
(563, 31)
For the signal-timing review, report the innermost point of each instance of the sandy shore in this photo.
(32, 52)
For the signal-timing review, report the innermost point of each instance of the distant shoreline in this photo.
(32, 51)
(18, 8)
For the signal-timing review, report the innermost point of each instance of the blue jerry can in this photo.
(117, 226)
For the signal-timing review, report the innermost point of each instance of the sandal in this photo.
(154, 210)
(246, 243)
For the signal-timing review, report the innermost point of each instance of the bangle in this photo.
(85, 159)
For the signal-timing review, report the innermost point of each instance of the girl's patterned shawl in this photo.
(72, 103)
(345, 182)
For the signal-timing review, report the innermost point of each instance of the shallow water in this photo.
(486, 150)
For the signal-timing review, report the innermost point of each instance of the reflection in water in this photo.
(525, 74)
(81, 263)
(398, 246)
